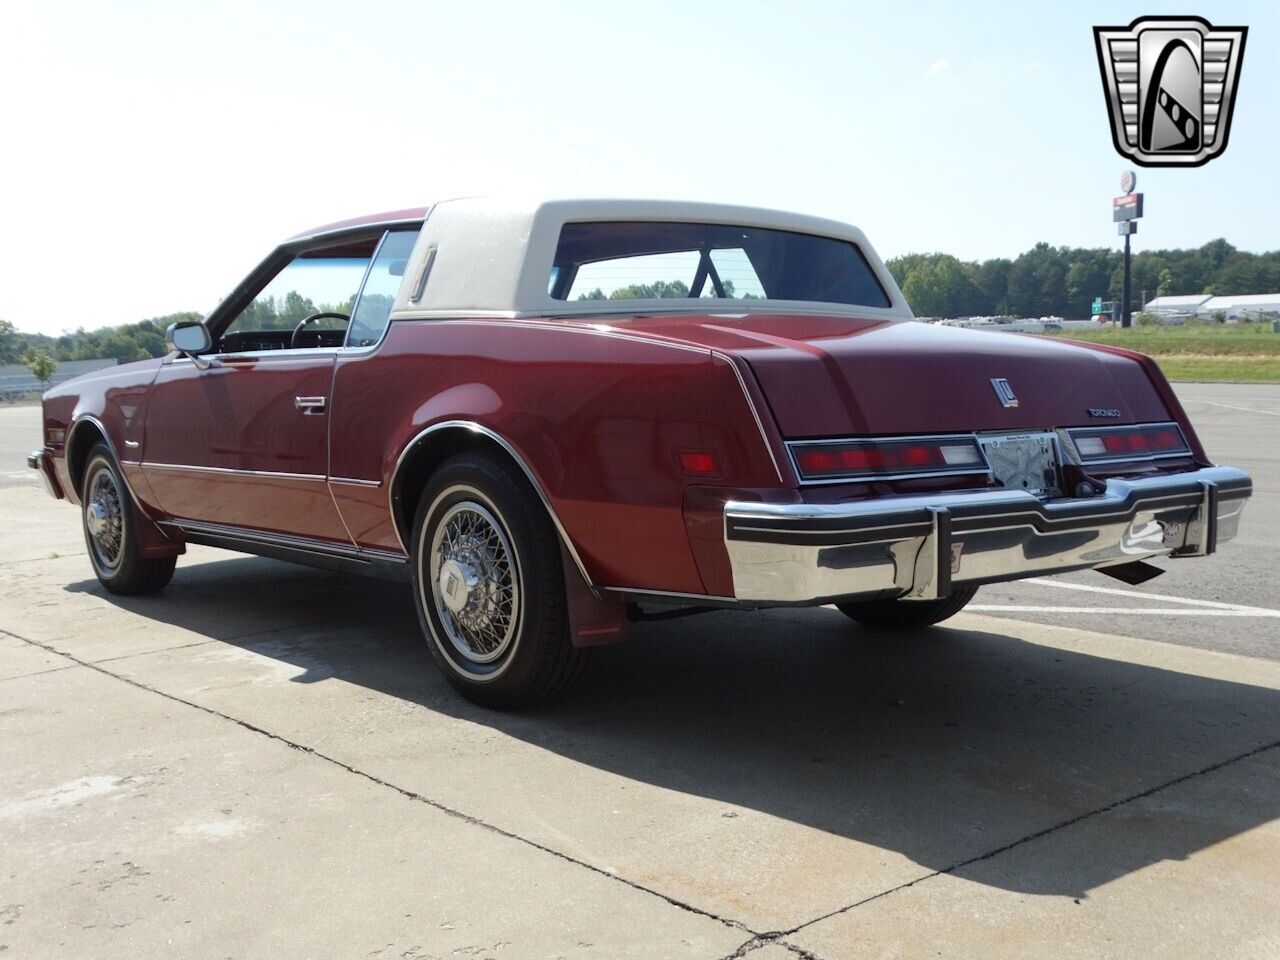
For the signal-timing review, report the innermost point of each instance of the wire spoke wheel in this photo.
(104, 519)
(474, 583)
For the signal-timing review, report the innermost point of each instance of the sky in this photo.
(152, 153)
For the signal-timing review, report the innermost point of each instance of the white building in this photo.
(1182, 306)
(1258, 306)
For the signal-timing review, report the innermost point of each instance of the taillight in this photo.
(1140, 442)
(884, 458)
(698, 463)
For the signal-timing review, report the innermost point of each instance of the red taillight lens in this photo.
(1138, 442)
(699, 464)
(854, 459)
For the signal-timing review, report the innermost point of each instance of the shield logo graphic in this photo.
(1170, 84)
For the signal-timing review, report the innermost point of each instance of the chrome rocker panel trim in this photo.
(903, 546)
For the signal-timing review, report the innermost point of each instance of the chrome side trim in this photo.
(353, 482)
(751, 405)
(672, 595)
(229, 471)
(299, 544)
(393, 487)
(918, 546)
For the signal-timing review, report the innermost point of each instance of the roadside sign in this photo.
(1097, 305)
(1128, 180)
(1128, 207)
(1126, 227)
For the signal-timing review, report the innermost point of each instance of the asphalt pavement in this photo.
(262, 761)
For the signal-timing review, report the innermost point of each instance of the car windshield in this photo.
(656, 260)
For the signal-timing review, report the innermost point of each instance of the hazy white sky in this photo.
(151, 153)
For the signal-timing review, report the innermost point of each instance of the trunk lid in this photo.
(832, 376)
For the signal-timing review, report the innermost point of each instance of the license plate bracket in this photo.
(1023, 461)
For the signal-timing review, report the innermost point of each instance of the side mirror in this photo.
(190, 338)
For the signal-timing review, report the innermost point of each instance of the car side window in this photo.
(319, 283)
(373, 308)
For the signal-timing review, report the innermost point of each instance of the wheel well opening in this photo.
(421, 462)
(83, 437)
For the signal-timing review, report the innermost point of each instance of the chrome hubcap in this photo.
(103, 517)
(474, 584)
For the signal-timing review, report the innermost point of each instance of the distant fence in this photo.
(17, 381)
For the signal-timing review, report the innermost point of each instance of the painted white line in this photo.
(1165, 598)
(1129, 611)
(1230, 406)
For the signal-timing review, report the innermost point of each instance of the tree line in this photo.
(1043, 281)
(1063, 281)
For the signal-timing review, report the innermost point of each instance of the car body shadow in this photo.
(944, 744)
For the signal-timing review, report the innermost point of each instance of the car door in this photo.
(240, 438)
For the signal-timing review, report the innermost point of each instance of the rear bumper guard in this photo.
(921, 547)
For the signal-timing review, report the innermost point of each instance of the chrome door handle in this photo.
(309, 404)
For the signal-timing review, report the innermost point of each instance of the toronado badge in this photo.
(1170, 84)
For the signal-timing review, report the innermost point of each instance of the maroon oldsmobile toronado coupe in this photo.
(556, 416)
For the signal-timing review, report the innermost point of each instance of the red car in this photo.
(555, 416)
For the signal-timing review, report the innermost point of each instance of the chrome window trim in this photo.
(876, 477)
(349, 351)
(393, 487)
(359, 228)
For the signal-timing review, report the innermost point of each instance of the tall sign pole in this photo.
(1125, 212)
(1125, 320)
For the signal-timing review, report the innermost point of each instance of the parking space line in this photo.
(1165, 598)
(1129, 611)
(1229, 406)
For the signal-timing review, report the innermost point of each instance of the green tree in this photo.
(9, 341)
(941, 287)
(41, 365)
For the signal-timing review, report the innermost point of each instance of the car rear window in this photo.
(627, 260)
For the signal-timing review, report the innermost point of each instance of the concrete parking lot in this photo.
(262, 761)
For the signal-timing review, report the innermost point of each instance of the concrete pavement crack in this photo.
(1047, 831)
(403, 791)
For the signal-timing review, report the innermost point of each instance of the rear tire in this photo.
(906, 614)
(489, 587)
(110, 519)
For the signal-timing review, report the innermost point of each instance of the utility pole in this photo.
(1124, 295)
(1125, 212)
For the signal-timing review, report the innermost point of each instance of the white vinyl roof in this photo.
(492, 256)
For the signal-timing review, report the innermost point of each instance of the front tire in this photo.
(906, 614)
(110, 522)
(489, 587)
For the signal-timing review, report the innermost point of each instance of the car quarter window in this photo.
(626, 260)
(378, 295)
(324, 279)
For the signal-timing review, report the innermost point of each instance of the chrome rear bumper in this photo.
(920, 547)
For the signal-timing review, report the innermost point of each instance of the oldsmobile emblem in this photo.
(1004, 392)
(1170, 84)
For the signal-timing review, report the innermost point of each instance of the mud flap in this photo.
(593, 621)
